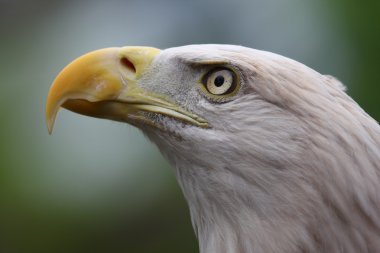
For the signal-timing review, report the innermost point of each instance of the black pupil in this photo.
(219, 81)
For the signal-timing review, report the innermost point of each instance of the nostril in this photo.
(128, 64)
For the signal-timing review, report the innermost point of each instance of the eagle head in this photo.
(271, 155)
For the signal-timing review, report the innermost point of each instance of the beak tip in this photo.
(50, 119)
(50, 126)
(50, 129)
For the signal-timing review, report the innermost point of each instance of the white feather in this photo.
(291, 165)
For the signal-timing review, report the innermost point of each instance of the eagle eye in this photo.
(220, 82)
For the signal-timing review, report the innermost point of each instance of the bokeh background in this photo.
(99, 186)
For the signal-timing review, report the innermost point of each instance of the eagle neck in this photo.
(233, 215)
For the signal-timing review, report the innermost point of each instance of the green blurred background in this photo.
(99, 186)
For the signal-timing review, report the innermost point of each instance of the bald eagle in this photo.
(271, 156)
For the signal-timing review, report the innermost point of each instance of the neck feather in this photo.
(233, 214)
(312, 190)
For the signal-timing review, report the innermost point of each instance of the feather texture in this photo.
(291, 164)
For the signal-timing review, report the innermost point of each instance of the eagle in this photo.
(271, 155)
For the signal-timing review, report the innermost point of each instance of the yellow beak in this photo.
(103, 84)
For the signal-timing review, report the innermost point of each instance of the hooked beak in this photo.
(103, 84)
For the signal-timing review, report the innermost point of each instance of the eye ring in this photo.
(220, 82)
